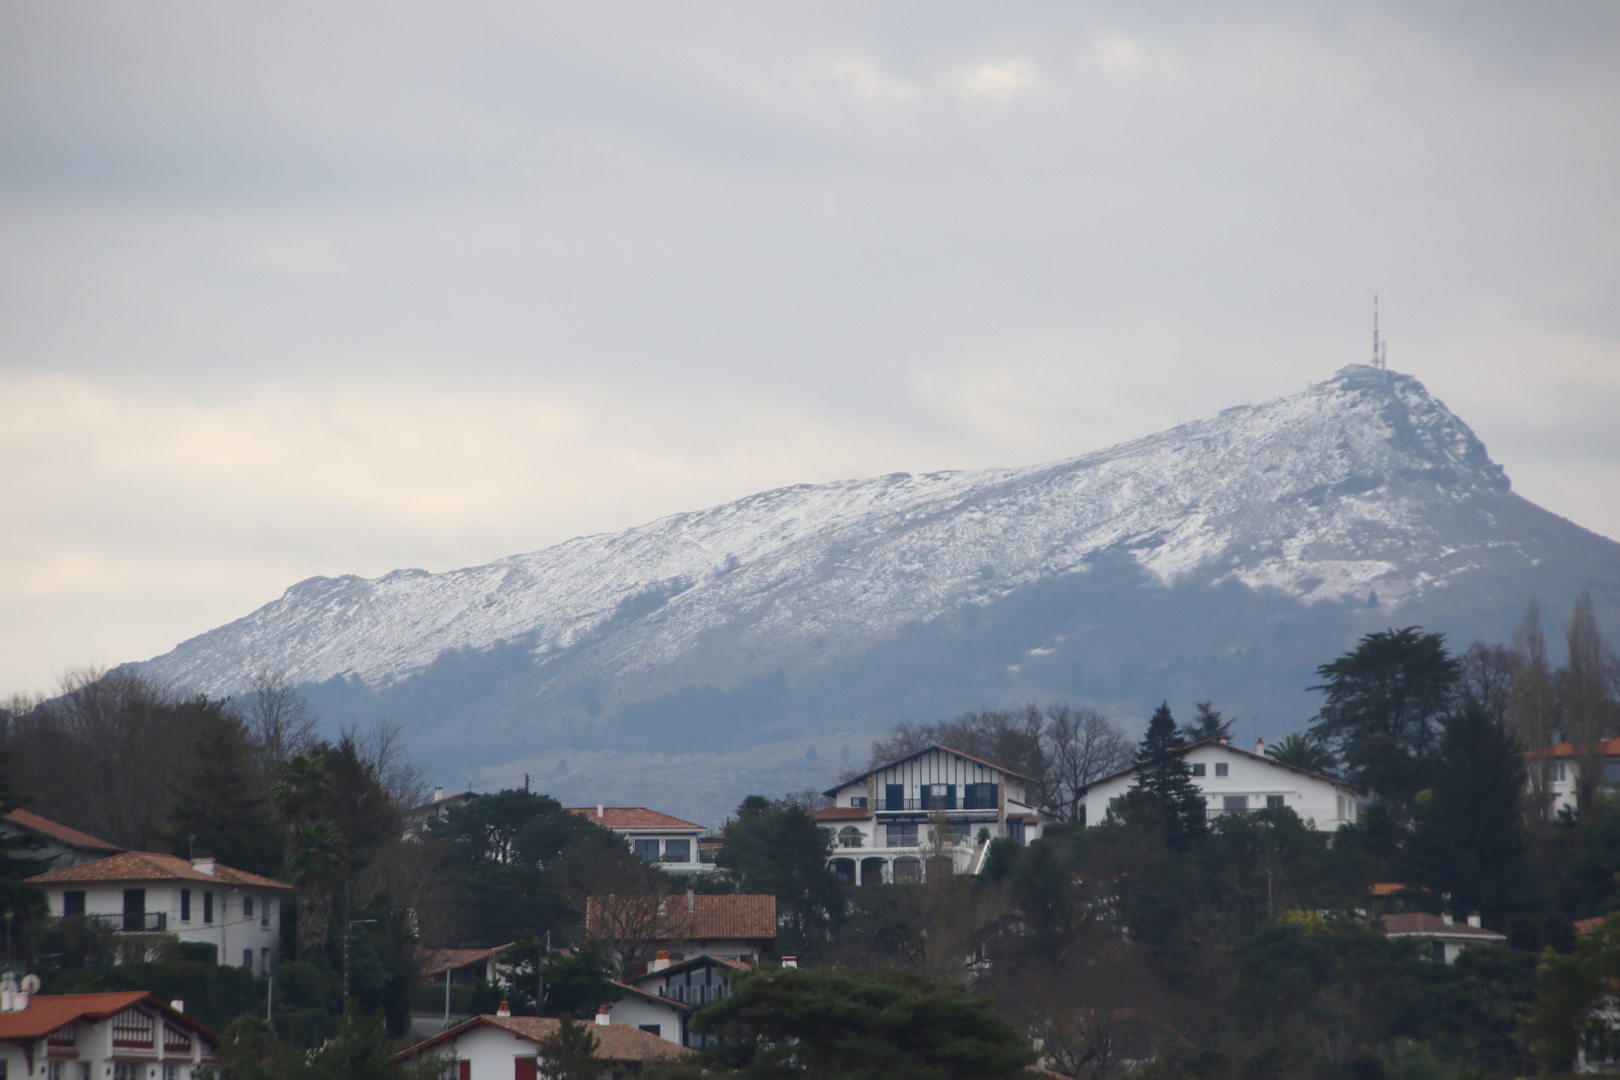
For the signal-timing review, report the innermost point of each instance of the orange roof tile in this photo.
(47, 1012)
(1386, 888)
(434, 961)
(152, 866)
(72, 837)
(614, 1042)
(1586, 926)
(1606, 748)
(843, 813)
(747, 918)
(1421, 922)
(634, 817)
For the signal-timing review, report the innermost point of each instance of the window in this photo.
(1555, 772)
(979, 797)
(1275, 802)
(171, 1072)
(84, 1071)
(850, 836)
(1015, 831)
(1220, 768)
(1234, 803)
(53, 1071)
(902, 834)
(264, 961)
(127, 1070)
(264, 915)
(247, 907)
(1198, 768)
(894, 797)
(208, 907)
(858, 801)
(247, 959)
(646, 850)
(135, 910)
(185, 905)
(652, 1029)
(939, 796)
(1611, 773)
(677, 851)
(73, 902)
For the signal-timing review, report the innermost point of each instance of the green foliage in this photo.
(1383, 699)
(1163, 775)
(881, 1024)
(213, 994)
(1207, 724)
(20, 902)
(1468, 836)
(569, 1053)
(361, 1050)
(776, 847)
(578, 982)
(1303, 752)
(1572, 995)
(218, 806)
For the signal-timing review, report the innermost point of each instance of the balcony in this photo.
(129, 922)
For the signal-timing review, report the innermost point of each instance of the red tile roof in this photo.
(614, 1042)
(47, 1012)
(745, 918)
(434, 961)
(71, 837)
(1387, 888)
(151, 866)
(634, 817)
(1606, 748)
(843, 813)
(1421, 922)
(1586, 926)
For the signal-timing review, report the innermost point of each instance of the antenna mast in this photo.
(1380, 347)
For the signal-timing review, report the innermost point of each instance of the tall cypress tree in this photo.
(1162, 772)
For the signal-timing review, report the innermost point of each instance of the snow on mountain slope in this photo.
(1352, 487)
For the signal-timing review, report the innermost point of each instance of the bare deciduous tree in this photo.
(1084, 745)
(1532, 700)
(1589, 707)
(279, 720)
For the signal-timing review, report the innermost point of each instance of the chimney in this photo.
(203, 862)
(790, 961)
(178, 1005)
(598, 809)
(438, 794)
(603, 1017)
(1260, 746)
(661, 961)
(691, 899)
(1473, 920)
(1445, 917)
(504, 1010)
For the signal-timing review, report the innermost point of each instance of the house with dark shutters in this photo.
(929, 812)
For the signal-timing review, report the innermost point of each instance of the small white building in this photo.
(934, 804)
(62, 845)
(663, 1000)
(1236, 781)
(499, 1046)
(418, 818)
(198, 900)
(122, 1036)
(1449, 936)
(655, 837)
(1560, 768)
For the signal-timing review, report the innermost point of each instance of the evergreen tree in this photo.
(1383, 698)
(569, 1053)
(218, 806)
(776, 847)
(1468, 835)
(1163, 774)
(18, 902)
(1207, 724)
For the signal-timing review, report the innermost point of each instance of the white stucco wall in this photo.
(1316, 800)
(231, 931)
(93, 1044)
(638, 1011)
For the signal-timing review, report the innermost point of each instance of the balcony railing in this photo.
(131, 922)
(696, 995)
(938, 802)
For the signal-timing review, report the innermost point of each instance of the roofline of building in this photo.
(146, 997)
(1127, 770)
(678, 1006)
(590, 812)
(50, 876)
(830, 792)
(64, 833)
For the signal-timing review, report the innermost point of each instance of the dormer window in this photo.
(858, 801)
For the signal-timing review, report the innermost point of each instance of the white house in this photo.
(1236, 781)
(418, 818)
(884, 821)
(1561, 768)
(198, 900)
(500, 1046)
(123, 1036)
(653, 836)
(59, 843)
(663, 1000)
(1449, 936)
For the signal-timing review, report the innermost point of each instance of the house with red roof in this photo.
(1447, 936)
(500, 1045)
(123, 1036)
(197, 899)
(1561, 765)
(62, 845)
(931, 811)
(738, 927)
(654, 836)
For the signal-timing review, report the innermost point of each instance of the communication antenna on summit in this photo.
(1380, 352)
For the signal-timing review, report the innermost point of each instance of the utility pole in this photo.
(348, 931)
(447, 992)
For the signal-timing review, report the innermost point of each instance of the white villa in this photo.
(653, 836)
(884, 821)
(198, 900)
(122, 1036)
(1236, 782)
(1561, 768)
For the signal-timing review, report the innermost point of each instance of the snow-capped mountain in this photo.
(1223, 558)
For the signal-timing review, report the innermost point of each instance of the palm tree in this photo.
(1303, 752)
(317, 863)
(301, 793)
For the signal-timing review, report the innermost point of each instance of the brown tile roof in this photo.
(843, 813)
(47, 1012)
(1421, 922)
(748, 918)
(434, 961)
(1606, 748)
(71, 837)
(830, 792)
(1586, 926)
(678, 1006)
(151, 866)
(1388, 888)
(614, 1042)
(634, 817)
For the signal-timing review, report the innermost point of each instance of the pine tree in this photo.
(217, 806)
(1162, 772)
(1207, 724)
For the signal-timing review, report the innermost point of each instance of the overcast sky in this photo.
(312, 288)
